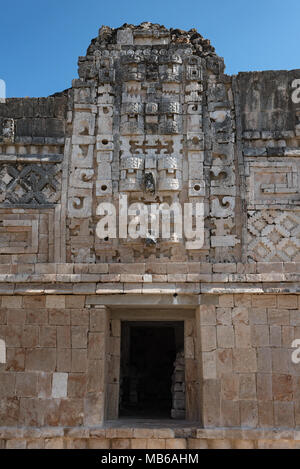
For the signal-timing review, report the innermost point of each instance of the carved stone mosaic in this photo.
(30, 184)
(274, 236)
(138, 116)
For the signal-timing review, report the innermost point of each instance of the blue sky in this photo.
(42, 39)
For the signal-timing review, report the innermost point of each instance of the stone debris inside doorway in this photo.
(178, 388)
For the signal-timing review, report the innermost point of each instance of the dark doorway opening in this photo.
(148, 354)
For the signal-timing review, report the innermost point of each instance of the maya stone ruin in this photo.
(90, 327)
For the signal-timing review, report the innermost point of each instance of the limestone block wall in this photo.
(62, 361)
(249, 376)
(54, 373)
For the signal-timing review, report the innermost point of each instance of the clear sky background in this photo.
(42, 39)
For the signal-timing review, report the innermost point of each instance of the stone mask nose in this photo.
(149, 183)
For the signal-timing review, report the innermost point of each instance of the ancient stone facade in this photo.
(152, 117)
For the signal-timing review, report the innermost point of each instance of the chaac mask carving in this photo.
(142, 111)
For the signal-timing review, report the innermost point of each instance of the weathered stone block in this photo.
(47, 336)
(79, 361)
(79, 335)
(26, 384)
(230, 413)
(225, 336)
(249, 414)
(59, 385)
(42, 359)
(208, 339)
(244, 361)
(282, 386)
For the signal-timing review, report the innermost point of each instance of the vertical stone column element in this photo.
(178, 388)
(105, 141)
(222, 172)
(191, 371)
(194, 151)
(98, 345)
(113, 370)
(209, 386)
(81, 170)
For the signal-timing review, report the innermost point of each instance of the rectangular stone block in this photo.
(79, 317)
(59, 317)
(63, 337)
(47, 336)
(264, 360)
(249, 414)
(244, 360)
(230, 387)
(79, 361)
(139, 443)
(264, 387)
(225, 336)
(209, 365)
(34, 302)
(26, 384)
(55, 301)
(64, 360)
(155, 443)
(211, 403)
(94, 409)
(96, 345)
(7, 384)
(230, 413)
(247, 387)
(75, 301)
(42, 359)
(260, 335)
(264, 301)
(242, 335)
(266, 414)
(79, 336)
(98, 320)
(208, 338)
(176, 443)
(14, 302)
(16, 316)
(206, 315)
(59, 385)
(279, 317)
(16, 444)
(288, 301)
(282, 386)
(77, 385)
(95, 375)
(224, 361)
(284, 414)
(98, 443)
(37, 316)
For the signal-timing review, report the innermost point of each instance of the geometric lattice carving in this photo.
(274, 235)
(29, 184)
(273, 183)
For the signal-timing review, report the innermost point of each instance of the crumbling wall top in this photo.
(150, 37)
